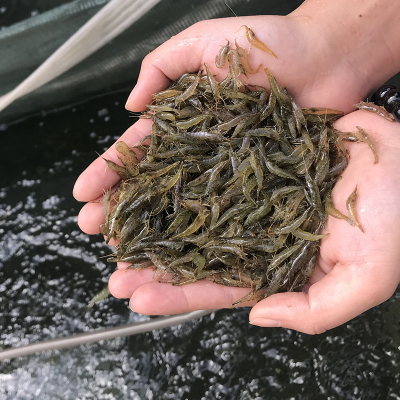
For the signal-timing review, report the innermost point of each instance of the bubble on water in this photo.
(52, 202)
(103, 112)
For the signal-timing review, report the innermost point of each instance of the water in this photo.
(49, 270)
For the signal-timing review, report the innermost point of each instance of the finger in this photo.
(97, 177)
(124, 282)
(161, 299)
(167, 62)
(91, 217)
(344, 293)
(187, 52)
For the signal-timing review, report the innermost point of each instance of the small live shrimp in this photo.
(254, 41)
(189, 91)
(221, 57)
(235, 60)
(362, 105)
(244, 60)
(351, 208)
(213, 83)
(103, 294)
(363, 136)
(106, 204)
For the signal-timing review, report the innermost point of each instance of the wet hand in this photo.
(355, 270)
(302, 67)
(187, 52)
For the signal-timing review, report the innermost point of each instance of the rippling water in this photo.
(49, 270)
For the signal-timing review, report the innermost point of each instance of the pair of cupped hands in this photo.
(355, 270)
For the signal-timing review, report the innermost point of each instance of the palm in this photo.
(188, 51)
(357, 270)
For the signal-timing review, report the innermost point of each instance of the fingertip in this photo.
(151, 80)
(142, 300)
(90, 218)
(93, 180)
(81, 190)
(130, 100)
(124, 282)
(77, 190)
(97, 177)
(288, 310)
(266, 323)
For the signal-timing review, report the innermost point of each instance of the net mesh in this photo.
(25, 45)
(28, 43)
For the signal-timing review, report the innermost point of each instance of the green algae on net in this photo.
(234, 187)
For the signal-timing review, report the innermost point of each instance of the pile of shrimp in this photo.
(235, 184)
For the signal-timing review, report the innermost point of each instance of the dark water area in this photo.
(49, 270)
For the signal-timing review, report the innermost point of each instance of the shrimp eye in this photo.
(392, 97)
(250, 33)
(378, 96)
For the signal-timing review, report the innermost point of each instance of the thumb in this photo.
(168, 62)
(345, 292)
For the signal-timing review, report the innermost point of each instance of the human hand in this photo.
(310, 87)
(355, 271)
(317, 63)
(300, 67)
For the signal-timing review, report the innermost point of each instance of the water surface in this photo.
(49, 270)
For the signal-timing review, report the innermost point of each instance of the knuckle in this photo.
(146, 61)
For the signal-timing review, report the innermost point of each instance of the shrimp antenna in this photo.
(230, 8)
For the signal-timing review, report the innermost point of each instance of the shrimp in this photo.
(351, 208)
(220, 58)
(254, 41)
(244, 60)
(213, 84)
(363, 136)
(362, 105)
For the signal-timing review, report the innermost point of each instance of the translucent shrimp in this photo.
(254, 41)
(221, 57)
(351, 208)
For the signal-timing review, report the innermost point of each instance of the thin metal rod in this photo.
(103, 334)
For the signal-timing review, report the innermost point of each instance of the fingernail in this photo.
(266, 322)
(130, 97)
